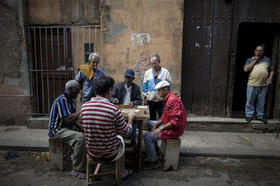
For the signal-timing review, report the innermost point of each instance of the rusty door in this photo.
(206, 56)
(52, 51)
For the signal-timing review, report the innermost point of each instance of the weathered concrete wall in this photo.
(135, 29)
(45, 12)
(14, 76)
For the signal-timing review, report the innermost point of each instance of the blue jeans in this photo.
(150, 140)
(253, 94)
(133, 133)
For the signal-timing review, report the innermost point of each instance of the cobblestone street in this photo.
(31, 169)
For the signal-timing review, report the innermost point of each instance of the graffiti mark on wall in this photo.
(141, 66)
(140, 39)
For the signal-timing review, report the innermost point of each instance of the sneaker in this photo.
(82, 175)
(248, 119)
(74, 173)
(126, 173)
(262, 120)
(151, 165)
(78, 174)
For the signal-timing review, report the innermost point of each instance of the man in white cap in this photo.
(171, 124)
(63, 124)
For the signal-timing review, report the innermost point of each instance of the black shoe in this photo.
(262, 120)
(248, 119)
(150, 165)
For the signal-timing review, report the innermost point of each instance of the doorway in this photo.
(250, 35)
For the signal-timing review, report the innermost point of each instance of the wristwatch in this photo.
(161, 128)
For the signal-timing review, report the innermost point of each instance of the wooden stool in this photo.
(278, 130)
(60, 155)
(170, 149)
(113, 177)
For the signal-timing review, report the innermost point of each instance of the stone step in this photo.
(195, 123)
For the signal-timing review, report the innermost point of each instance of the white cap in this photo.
(162, 84)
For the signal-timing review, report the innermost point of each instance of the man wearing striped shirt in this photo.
(63, 123)
(104, 124)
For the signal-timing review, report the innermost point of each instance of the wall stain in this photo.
(141, 66)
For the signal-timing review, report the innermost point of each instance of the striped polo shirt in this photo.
(62, 107)
(102, 121)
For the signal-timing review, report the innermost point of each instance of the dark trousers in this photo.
(155, 107)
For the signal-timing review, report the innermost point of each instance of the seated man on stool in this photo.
(104, 125)
(128, 93)
(171, 124)
(63, 124)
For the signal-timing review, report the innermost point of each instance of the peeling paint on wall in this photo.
(140, 39)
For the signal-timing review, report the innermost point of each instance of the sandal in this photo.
(126, 173)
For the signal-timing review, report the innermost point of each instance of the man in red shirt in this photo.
(171, 124)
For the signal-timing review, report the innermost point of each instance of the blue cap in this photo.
(129, 73)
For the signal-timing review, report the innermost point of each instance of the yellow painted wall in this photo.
(132, 30)
(63, 12)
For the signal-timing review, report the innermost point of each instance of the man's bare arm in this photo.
(250, 66)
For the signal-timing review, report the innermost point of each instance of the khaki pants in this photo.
(77, 141)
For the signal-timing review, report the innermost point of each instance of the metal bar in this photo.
(64, 49)
(36, 75)
(89, 51)
(52, 62)
(58, 56)
(42, 76)
(94, 44)
(72, 48)
(66, 52)
(84, 41)
(47, 67)
(78, 42)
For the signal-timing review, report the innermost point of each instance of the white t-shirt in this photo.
(126, 100)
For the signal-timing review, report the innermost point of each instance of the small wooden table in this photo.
(142, 116)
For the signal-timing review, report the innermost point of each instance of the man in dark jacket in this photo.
(128, 93)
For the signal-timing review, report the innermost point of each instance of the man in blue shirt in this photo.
(63, 124)
(87, 76)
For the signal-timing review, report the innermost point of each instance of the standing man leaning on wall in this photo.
(261, 75)
(87, 76)
(152, 77)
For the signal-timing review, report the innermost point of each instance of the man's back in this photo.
(102, 121)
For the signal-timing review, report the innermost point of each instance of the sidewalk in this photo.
(194, 143)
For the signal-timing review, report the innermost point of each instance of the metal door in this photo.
(205, 66)
(52, 50)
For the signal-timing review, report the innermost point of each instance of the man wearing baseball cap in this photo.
(128, 93)
(171, 124)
